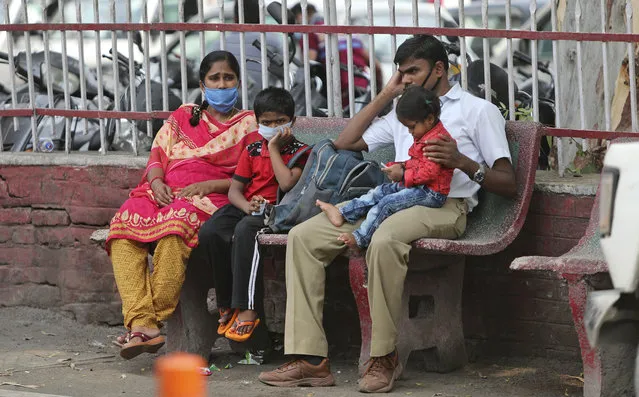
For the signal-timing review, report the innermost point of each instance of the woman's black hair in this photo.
(417, 103)
(205, 66)
(274, 99)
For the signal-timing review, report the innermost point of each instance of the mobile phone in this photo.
(261, 210)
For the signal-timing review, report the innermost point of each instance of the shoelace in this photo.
(287, 365)
(378, 364)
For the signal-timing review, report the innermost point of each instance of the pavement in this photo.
(47, 354)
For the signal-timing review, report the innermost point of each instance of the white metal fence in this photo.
(164, 40)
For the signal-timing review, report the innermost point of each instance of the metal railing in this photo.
(145, 25)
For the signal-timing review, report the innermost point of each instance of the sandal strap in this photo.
(239, 323)
(143, 336)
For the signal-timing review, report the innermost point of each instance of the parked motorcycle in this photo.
(51, 132)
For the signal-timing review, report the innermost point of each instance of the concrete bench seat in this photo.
(436, 266)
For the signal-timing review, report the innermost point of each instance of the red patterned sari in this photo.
(187, 155)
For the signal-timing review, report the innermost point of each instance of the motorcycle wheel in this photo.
(618, 351)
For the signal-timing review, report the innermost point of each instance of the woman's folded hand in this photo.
(162, 193)
(196, 189)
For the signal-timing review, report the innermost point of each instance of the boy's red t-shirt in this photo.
(256, 171)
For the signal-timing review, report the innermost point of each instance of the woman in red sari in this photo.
(187, 178)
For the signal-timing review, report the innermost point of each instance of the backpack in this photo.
(329, 175)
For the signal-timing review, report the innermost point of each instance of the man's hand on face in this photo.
(443, 150)
(395, 86)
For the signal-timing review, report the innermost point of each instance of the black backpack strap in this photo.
(291, 163)
(298, 155)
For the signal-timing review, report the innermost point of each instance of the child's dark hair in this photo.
(205, 66)
(422, 46)
(417, 103)
(274, 99)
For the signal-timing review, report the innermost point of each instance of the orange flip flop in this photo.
(223, 327)
(232, 335)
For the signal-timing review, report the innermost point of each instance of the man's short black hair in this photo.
(422, 46)
(274, 99)
(297, 9)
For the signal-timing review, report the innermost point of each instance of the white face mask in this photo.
(270, 132)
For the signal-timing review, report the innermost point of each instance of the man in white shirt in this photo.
(480, 156)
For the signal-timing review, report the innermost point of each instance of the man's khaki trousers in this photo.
(313, 245)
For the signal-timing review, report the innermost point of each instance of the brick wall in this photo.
(47, 214)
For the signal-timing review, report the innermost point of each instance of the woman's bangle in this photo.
(154, 178)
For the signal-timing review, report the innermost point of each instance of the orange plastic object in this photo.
(178, 375)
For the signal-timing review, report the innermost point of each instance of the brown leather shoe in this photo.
(380, 375)
(299, 373)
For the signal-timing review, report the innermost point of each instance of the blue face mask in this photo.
(221, 99)
(270, 132)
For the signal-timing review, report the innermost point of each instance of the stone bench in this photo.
(433, 292)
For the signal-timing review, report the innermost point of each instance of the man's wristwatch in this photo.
(480, 174)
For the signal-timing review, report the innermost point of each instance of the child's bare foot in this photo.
(348, 239)
(332, 212)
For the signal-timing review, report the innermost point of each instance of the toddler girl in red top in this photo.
(419, 181)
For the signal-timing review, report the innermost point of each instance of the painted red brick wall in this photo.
(47, 260)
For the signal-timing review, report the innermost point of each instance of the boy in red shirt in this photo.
(418, 181)
(230, 234)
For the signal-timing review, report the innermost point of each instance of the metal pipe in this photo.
(98, 57)
(335, 63)
(511, 73)
(220, 4)
(31, 83)
(65, 81)
(83, 81)
(263, 58)
(183, 78)
(307, 66)
(132, 81)
(116, 72)
(631, 70)
(462, 46)
(329, 70)
(47, 62)
(533, 56)
(391, 9)
(349, 55)
(488, 92)
(147, 74)
(580, 76)
(200, 13)
(163, 62)
(14, 97)
(243, 76)
(561, 161)
(371, 49)
(285, 56)
(604, 51)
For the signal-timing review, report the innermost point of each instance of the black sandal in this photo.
(147, 345)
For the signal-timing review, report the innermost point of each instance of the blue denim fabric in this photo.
(384, 201)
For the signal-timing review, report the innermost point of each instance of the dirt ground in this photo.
(46, 353)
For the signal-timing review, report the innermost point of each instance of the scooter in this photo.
(612, 316)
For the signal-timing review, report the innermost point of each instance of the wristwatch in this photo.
(480, 174)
